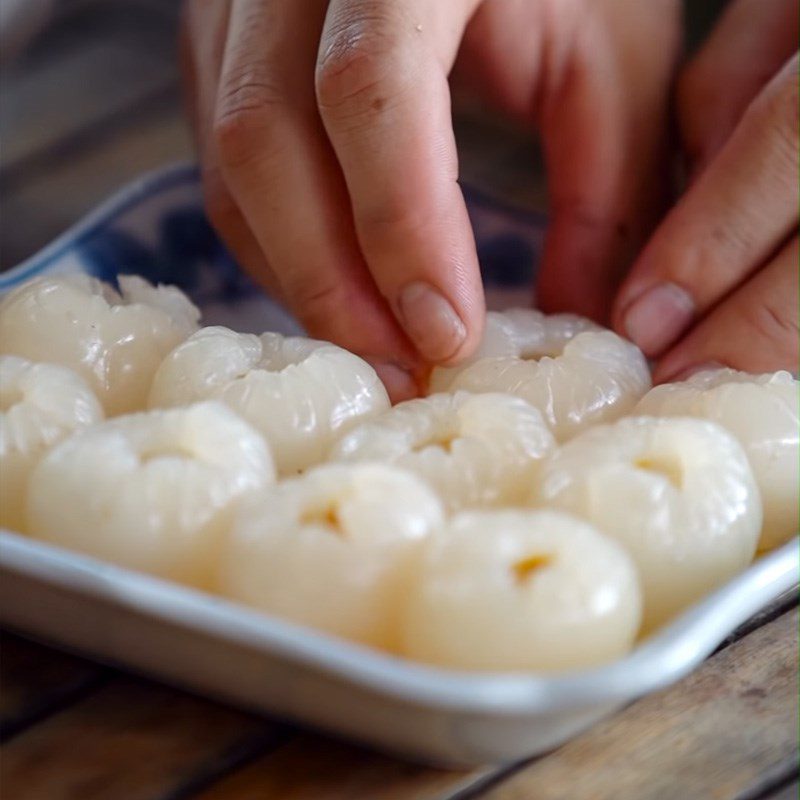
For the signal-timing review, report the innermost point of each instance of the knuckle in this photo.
(348, 78)
(393, 220)
(356, 71)
(774, 326)
(242, 123)
(249, 100)
(250, 95)
(314, 301)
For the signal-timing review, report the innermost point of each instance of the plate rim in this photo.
(661, 659)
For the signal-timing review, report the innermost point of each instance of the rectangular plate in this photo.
(156, 226)
(219, 648)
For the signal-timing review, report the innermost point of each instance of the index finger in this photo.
(383, 97)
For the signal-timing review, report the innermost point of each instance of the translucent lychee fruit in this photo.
(517, 333)
(40, 404)
(521, 590)
(114, 340)
(301, 394)
(761, 411)
(153, 491)
(333, 549)
(595, 377)
(474, 450)
(676, 492)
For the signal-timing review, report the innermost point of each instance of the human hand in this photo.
(718, 281)
(330, 169)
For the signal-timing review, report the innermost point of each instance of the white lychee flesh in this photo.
(596, 377)
(676, 492)
(40, 404)
(521, 590)
(762, 412)
(475, 450)
(517, 333)
(333, 549)
(153, 491)
(300, 394)
(114, 341)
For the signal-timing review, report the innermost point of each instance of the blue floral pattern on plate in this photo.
(156, 227)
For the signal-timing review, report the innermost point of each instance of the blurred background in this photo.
(90, 98)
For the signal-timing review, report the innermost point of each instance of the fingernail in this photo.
(684, 373)
(658, 317)
(430, 321)
(399, 383)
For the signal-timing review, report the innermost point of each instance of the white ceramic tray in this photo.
(219, 648)
(224, 650)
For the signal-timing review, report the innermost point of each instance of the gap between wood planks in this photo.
(693, 740)
(266, 752)
(777, 784)
(727, 731)
(480, 781)
(94, 676)
(259, 744)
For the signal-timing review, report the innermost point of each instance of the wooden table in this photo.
(73, 730)
(94, 104)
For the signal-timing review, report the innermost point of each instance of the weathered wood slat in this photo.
(713, 735)
(35, 681)
(86, 177)
(789, 792)
(315, 768)
(780, 605)
(92, 63)
(774, 780)
(131, 740)
(30, 137)
(92, 105)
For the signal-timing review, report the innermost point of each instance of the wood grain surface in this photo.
(36, 681)
(130, 739)
(728, 732)
(713, 735)
(95, 103)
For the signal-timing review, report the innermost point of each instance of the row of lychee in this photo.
(433, 544)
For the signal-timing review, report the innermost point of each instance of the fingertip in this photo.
(425, 264)
(657, 317)
(429, 275)
(400, 383)
(430, 321)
